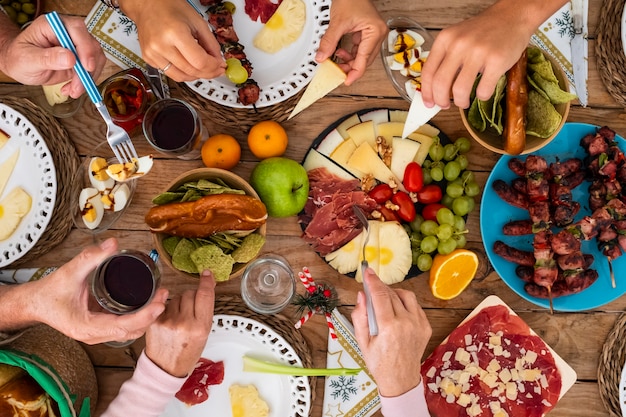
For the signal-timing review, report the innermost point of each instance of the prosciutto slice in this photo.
(261, 9)
(195, 390)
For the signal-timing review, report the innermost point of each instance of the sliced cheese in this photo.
(327, 77)
(347, 123)
(53, 93)
(428, 130)
(425, 142)
(389, 129)
(378, 116)
(4, 138)
(404, 151)
(330, 142)
(363, 132)
(314, 160)
(398, 116)
(366, 160)
(342, 154)
(7, 168)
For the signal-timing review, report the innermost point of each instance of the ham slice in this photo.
(261, 9)
(195, 390)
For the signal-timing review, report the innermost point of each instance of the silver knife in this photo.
(579, 60)
(418, 115)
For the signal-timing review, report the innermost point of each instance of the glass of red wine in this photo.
(174, 128)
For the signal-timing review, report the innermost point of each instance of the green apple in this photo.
(282, 185)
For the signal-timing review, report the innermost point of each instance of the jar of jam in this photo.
(127, 95)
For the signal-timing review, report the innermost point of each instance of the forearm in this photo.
(8, 32)
(17, 305)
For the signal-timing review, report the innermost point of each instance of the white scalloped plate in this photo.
(280, 75)
(35, 173)
(624, 30)
(231, 338)
(622, 391)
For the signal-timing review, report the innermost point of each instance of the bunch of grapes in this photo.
(447, 233)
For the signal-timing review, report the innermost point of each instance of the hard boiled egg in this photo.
(98, 176)
(130, 170)
(91, 208)
(117, 198)
(404, 39)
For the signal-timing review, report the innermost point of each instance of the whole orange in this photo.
(221, 151)
(267, 139)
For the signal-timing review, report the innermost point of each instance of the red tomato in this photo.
(429, 194)
(406, 209)
(430, 211)
(389, 214)
(413, 179)
(381, 193)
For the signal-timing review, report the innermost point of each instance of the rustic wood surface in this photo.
(577, 337)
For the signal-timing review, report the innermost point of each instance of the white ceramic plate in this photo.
(280, 75)
(231, 338)
(622, 391)
(35, 173)
(624, 32)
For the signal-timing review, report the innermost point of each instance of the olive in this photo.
(3, 2)
(22, 18)
(10, 11)
(17, 6)
(28, 8)
(25, 1)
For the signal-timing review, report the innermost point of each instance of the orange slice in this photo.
(451, 274)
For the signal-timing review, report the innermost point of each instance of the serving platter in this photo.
(35, 173)
(495, 212)
(280, 75)
(231, 338)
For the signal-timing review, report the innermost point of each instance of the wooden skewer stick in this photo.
(611, 272)
(550, 299)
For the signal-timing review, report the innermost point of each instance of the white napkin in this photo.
(19, 276)
(554, 36)
(344, 396)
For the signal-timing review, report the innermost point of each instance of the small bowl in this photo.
(82, 178)
(397, 78)
(494, 142)
(230, 179)
(31, 15)
(60, 110)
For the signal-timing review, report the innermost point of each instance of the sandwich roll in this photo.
(208, 215)
(22, 396)
(516, 103)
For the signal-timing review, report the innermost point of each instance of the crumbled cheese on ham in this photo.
(462, 356)
(468, 339)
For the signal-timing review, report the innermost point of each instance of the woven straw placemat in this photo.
(610, 367)
(234, 305)
(609, 50)
(66, 162)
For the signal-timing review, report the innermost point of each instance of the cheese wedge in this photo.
(425, 142)
(314, 160)
(366, 160)
(403, 152)
(389, 130)
(53, 93)
(330, 142)
(4, 138)
(6, 168)
(343, 153)
(349, 122)
(328, 77)
(363, 132)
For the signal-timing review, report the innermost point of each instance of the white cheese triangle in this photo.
(328, 77)
(314, 159)
(403, 152)
(366, 160)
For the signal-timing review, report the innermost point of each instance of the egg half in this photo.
(91, 207)
(138, 167)
(98, 176)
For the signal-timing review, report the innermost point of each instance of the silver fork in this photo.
(118, 138)
(371, 316)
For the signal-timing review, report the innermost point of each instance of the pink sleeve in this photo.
(409, 404)
(145, 394)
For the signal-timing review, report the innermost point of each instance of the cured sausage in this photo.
(516, 104)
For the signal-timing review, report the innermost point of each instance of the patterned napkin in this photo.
(347, 396)
(19, 276)
(554, 35)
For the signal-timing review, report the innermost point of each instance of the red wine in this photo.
(173, 127)
(128, 281)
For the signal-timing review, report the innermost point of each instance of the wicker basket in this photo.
(610, 367)
(610, 51)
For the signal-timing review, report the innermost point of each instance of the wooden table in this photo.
(577, 337)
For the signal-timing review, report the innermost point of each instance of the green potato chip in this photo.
(213, 258)
(544, 69)
(249, 248)
(170, 243)
(181, 257)
(534, 55)
(542, 119)
(553, 91)
(475, 117)
(535, 87)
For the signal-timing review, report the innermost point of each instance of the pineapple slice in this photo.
(283, 28)
(12, 209)
(372, 249)
(346, 259)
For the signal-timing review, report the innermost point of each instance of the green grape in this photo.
(459, 223)
(416, 223)
(449, 152)
(429, 244)
(235, 72)
(461, 206)
(472, 189)
(452, 170)
(446, 246)
(463, 162)
(429, 228)
(468, 176)
(444, 232)
(436, 151)
(407, 228)
(445, 216)
(460, 240)
(230, 7)
(426, 177)
(416, 239)
(427, 163)
(436, 173)
(463, 144)
(17, 6)
(446, 200)
(424, 262)
(454, 190)
(471, 204)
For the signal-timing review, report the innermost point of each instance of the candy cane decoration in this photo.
(304, 319)
(331, 326)
(315, 290)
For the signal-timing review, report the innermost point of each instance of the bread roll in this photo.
(516, 104)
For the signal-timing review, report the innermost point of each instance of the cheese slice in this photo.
(4, 138)
(403, 152)
(347, 123)
(398, 116)
(53, 93)
(363, 132)
(328, 77)
(366, 160)
(390, 129)
(6, 168)
(425, 142)
(343, 153)
(314, 160)
(378, 116)
(330, 142)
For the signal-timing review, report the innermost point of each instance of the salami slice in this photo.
(195, 390)
(492, 365)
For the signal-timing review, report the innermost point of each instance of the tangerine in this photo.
(221, 151)
(450, 274)
(267, 139)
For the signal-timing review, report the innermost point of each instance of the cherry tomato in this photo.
(406, 209)
(381, 193)
(429, 194)
(389, 214)
(430, 211)
(413, 179)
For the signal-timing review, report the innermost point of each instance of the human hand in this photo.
(394, 355)
(171, 31)
(361, 19)
(61, 300)
(176, 340)
(34, 56)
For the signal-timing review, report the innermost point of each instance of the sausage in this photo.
(511, 254)
(518, 228)
(510, 195)
(516, 104)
